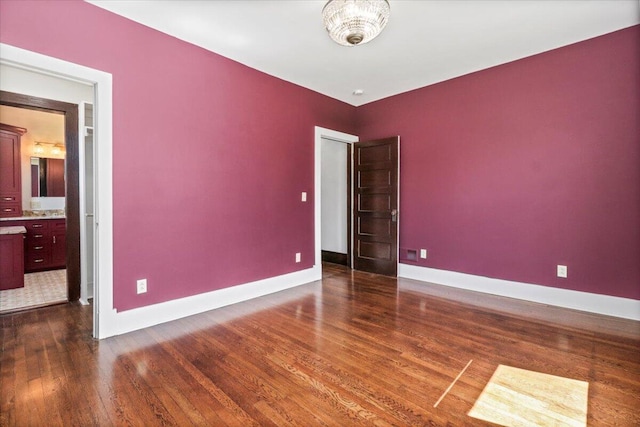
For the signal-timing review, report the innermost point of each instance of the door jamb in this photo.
(350, 205)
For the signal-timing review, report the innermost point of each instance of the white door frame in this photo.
(84, 230)
(321, 133)
(103, 313)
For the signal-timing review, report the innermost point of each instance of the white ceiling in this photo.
(41, 126)
(425, 41)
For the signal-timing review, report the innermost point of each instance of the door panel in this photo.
(374, 226)
(374, 154)
(376, 205)
(375, 250)
(374, 202)
(374, 178)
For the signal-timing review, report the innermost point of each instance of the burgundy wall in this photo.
(510, 171)
(505, 173)
(209, 156)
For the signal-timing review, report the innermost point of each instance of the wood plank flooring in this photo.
(352, 349)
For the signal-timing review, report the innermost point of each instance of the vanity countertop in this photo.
(13, 230)
(33, 218)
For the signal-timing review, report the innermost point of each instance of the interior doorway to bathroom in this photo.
(48, 281)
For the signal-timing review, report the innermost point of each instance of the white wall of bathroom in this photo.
(334, 196)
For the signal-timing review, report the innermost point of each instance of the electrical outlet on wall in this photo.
(298, 257)
(423, 253)
(562, 271)
(141, 286)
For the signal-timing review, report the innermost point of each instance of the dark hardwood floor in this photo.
(354, 349)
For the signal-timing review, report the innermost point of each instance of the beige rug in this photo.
(44, 288)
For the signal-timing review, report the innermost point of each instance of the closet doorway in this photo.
(336, 201)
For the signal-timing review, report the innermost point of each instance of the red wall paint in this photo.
(209, 156)
(505, 172)
(510, 171)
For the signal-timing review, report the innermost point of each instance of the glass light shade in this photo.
(353, 22)
(38, 148)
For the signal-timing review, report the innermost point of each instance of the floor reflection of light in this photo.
(220, 315)
(318, 317)
(518, 397)
(141, 368)
(43, 388)
(563, 342)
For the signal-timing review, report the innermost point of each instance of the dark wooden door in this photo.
(55, 178)
(375, 221)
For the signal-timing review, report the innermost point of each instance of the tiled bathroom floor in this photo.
(44, 288)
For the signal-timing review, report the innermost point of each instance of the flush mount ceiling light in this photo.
(354, 22)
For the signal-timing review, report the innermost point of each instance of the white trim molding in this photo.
(144, 317)
(584, 301)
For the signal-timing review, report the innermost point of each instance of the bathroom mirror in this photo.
(47, 177)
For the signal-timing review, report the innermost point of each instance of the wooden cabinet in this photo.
(11, 261)
(10, 173)
(45, 244)
(58, 243)
(37, 255)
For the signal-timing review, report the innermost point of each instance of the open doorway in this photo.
(100, 84)
(38, 162)
(336, 201)
(372, 238)
(69, 228)
(336, 138)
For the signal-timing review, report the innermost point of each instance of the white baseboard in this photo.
(85, 301)
(117, 323)
(143, 317)
(594, 303)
